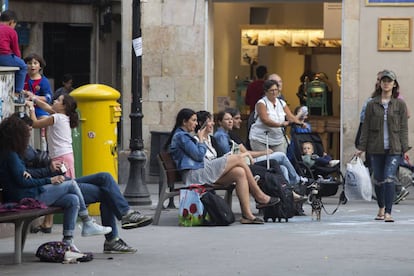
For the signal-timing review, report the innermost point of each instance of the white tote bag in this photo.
(357, 181)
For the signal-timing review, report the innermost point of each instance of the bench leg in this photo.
(228, 197)
(163, 197)
(18, 240)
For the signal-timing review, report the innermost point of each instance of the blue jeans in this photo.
(15, 61)
(68, 196)
(102, 187)
(384, 168)
(287, 168)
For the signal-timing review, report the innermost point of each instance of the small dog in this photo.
(315, 201)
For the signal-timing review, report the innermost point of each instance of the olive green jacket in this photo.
(372, 132)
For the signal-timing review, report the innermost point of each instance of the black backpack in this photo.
(275, 185)
(216, 210)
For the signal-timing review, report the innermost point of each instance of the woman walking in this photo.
(384, 136)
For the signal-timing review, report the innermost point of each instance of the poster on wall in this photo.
(315, 38)
(283, 38)
(300, 38)
(250, 37)
(266, 38)
(394, 34)
(249, 55)
(389, 2)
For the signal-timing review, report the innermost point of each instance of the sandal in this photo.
(40, 228)
(272, 201)
(256, 220)
(380, 215)
(388, 218)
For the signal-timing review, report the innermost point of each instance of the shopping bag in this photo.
(357, 181)
(191, 208)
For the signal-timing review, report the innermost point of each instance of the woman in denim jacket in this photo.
(384, 136)
(190, 158)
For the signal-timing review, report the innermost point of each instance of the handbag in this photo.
(191, 208)
(216, 210)
(357, 180)
(61, 252)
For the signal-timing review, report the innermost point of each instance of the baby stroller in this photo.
(324, 180)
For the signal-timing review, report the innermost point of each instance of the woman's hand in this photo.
(55, 166)
(202, 134)
(267, 152)
(358, 153)
(28, 94)
(248, 155)
(57, 179)
(29, 104)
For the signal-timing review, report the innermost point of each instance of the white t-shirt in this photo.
(59, 136)
(277, 114)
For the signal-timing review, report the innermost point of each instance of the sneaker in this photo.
(304, 180)
(333, 163)
(118, 246)
(72, 245)
(135, 219)
(91, 228)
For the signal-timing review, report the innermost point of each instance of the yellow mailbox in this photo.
(99, 115)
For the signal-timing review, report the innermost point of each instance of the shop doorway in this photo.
(67, 49)
(290, 62)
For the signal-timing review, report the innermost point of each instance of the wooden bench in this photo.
(21, 220)
(170, 177)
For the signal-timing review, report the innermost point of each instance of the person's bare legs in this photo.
(237, 171)
(48, 221)
(236, 160)
(238, 176)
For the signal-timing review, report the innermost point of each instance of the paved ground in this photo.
(349, 242)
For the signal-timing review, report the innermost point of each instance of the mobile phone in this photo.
(203, 125)
(63, 168)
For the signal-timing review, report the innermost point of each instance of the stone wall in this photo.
(7, 108)
(173, 63)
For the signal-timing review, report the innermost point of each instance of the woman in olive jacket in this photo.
(384, 135)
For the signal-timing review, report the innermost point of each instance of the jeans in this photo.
(15, 61)
(384, 167)
(68, 196)
(287, 168)
(102, 187)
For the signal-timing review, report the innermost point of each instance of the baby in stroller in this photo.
(326, 177)
(310, 158)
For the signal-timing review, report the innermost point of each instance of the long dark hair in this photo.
(395, 90)
(182, 116)
(202, 117)
(70, 110)
(14, 134)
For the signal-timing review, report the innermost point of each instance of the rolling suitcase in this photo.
(275, 184)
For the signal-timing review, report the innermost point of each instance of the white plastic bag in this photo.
(357, 181)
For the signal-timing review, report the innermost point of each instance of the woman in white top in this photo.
(272, 115)
(63, 117)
